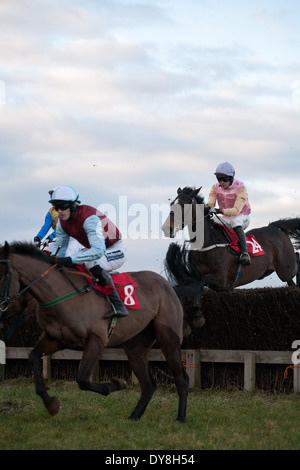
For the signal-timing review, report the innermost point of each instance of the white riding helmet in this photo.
(225, 169)
(64, 194)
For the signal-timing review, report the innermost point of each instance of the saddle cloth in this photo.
(254, 248)
(124, 285)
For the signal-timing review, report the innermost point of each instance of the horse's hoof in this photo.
(198, 322)
(121, 383)
(53, 406)
(180, 419)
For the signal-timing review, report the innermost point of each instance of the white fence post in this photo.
(2, 359)
(296, 379)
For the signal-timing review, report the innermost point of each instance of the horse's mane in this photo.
(29, 249)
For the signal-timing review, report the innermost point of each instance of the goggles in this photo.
(61, 206)
(225, 179)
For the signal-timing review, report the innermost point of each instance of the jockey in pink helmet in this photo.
(232, 198)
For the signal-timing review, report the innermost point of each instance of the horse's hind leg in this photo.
(170, 346)
(46, 346)
(291, 282)
(138, 359)
(92, 351)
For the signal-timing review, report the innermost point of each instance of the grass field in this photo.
(216, 420)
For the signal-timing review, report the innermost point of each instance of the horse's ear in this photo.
(6, 247)
(196, 191)
(5, 250)
(179, 190)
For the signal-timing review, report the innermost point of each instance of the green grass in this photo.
(218, 420)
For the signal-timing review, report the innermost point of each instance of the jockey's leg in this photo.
(104, 279)
(244, 256)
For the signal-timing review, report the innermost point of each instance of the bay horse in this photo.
(77, 323)
(214, 262)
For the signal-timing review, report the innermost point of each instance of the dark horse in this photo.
(21, 310)
(75, 321)
(214, 262)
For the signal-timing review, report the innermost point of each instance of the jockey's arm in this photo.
(62, 240)
(241, 197)
(46, 227)
(212, 197)
(93, 228)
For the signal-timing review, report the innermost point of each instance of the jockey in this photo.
(103, 248)
(234, 206)
(50, 222)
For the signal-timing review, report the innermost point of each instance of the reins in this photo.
(72, 294)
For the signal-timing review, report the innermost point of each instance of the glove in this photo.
(37, 241)
(67, 261)
(213, 210)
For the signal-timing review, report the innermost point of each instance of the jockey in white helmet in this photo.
(95, 231)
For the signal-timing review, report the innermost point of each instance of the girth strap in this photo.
(63, 298)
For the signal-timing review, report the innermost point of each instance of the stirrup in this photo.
(245, 259)
(113, 312)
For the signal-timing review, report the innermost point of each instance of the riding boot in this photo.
(244, 256)
(104, 279)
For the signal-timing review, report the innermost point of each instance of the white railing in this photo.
(192, 359)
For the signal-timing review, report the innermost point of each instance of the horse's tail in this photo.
(179, 268)
(291, 227)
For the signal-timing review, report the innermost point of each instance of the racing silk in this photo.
(233, 201)
(90, 227)
(50, 222)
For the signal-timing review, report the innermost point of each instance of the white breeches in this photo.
(241, 220)
(113, 259)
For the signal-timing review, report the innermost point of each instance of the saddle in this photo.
(254, 248)
(124, 285)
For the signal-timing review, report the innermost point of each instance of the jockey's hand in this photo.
(37, 241)
(213, 210)
(67, 261)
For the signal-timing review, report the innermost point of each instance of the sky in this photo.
(127, 100)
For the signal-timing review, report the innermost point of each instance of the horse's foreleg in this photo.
(170, 346)
(14, 327)
(138, 360)
(45, 344)
(92, 351)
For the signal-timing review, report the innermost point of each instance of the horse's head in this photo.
(180, 213)
(15, 271)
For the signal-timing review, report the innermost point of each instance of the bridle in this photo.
(5, 297)
(181, 224)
